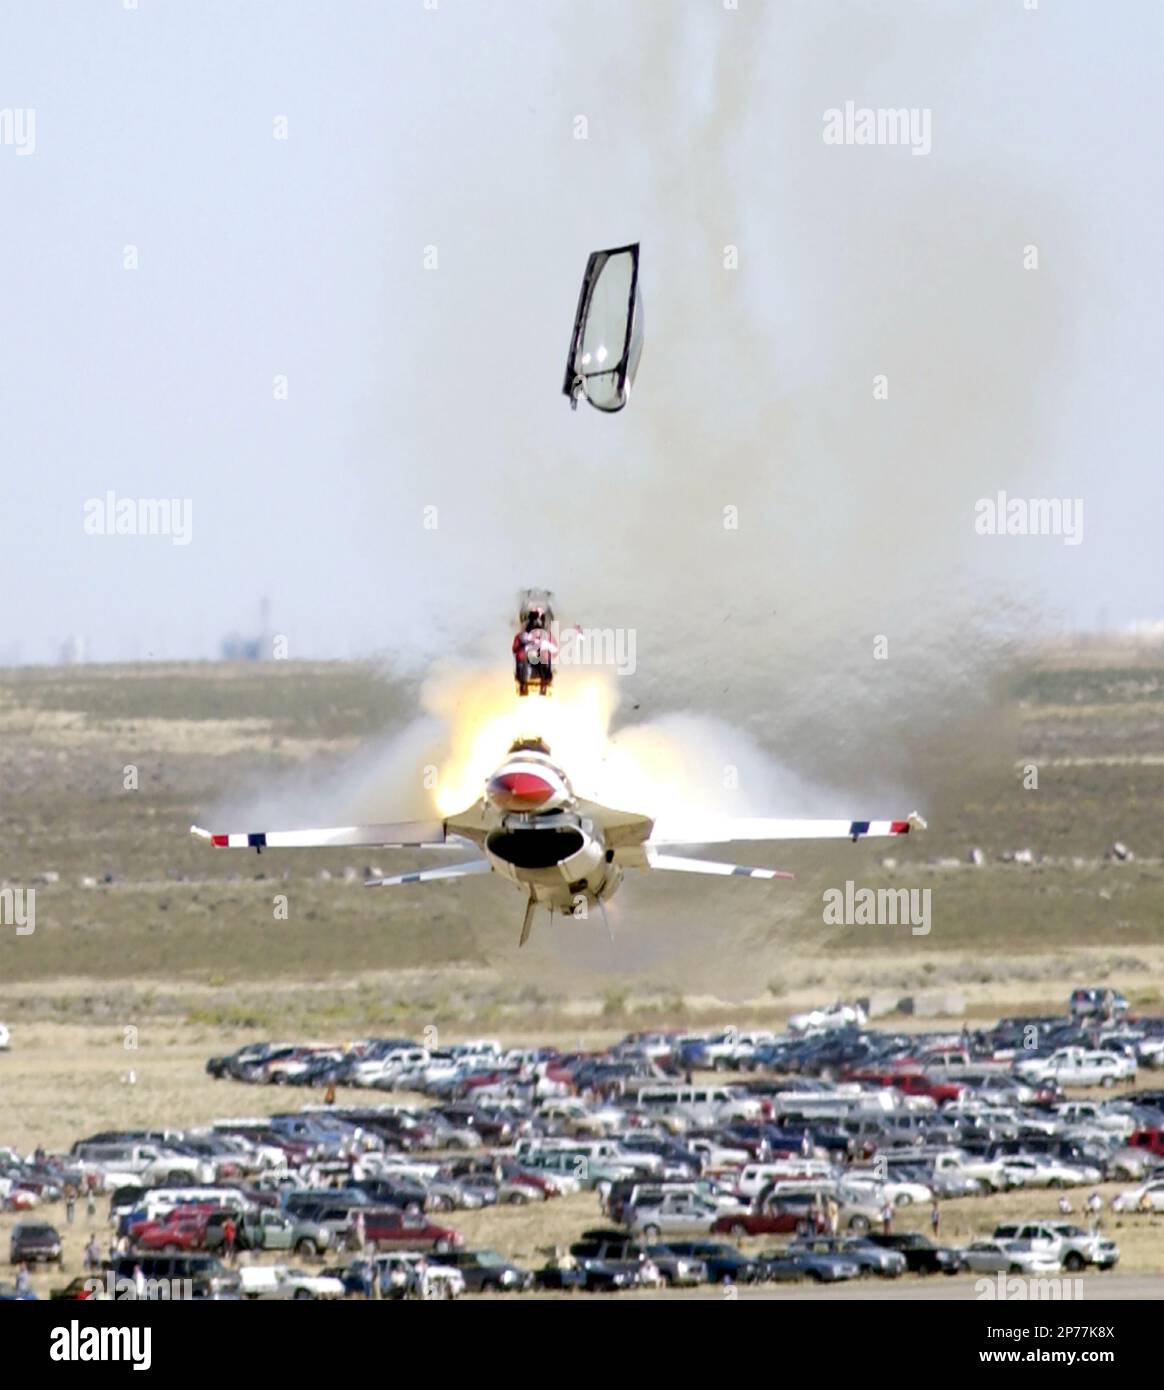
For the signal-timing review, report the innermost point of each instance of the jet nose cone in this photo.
(519, 791)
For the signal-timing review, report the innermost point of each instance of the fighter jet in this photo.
(564, 852)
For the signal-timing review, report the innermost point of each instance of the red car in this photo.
(526, 1177)
(186, 1232)
(178, 1213)
(911, 1082)
(387, 1228)
(1150, 1139)
(915, 1084)
(771, 1219)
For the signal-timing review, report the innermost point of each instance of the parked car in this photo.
(1008, 1256)
(678, 1270)
(286, 1282)
(894, 1187)
(563, 1272)
(922, 1255)
(778, 1212)
(671, 1212)
(1073, 1247)
(607, 1252)
(725, 1264)
(414, 1275)
(1077, 1066)
(485, 1271)
(768, 1218)
(1150, 1139)
(268, 1230)
(34, 1242)
(385, 1228)
(823, 1267)
(183, 1230)
(173, 1276)
(1040, 1170)
(869, 1257)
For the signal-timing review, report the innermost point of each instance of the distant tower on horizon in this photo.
(72, 651)
(235, 647)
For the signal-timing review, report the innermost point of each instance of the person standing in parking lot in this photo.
(228, 1237)
(92, 1252)
(23, 1284)
(935, 1218)
(70, 1203)
(887, 1217)
(833, 1215)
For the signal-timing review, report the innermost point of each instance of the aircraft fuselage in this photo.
(542, 841)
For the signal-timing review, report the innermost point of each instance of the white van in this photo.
(700, 1105)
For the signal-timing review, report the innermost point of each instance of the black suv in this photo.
(33, 1241)
(922, 1256)
(485, 1271)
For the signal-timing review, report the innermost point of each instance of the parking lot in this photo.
(830, 1156)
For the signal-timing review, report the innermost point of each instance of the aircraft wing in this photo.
(473, 866)
(724, 830)
(399, 835)
(677, 863)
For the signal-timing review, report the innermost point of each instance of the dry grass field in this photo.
(180, 930)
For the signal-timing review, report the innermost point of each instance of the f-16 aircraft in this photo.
(567, 853)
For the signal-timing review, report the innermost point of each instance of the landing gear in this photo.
(527, 920)
(605, 920)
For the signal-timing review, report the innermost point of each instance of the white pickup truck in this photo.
(952, 1063)
(989, 1172)
(282, 1281)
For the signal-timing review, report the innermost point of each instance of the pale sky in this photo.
(456, 128)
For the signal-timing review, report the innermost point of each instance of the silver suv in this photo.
(670, 1213)
(1075, 1247)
